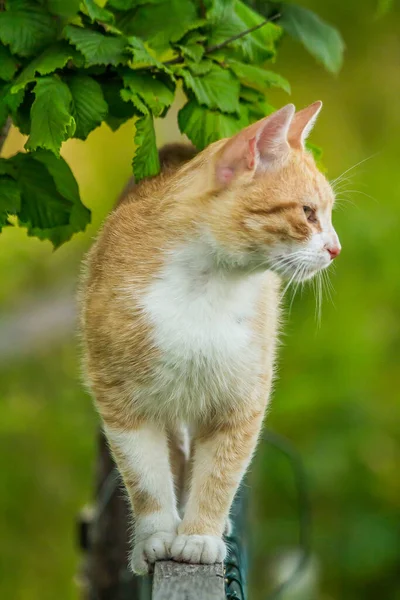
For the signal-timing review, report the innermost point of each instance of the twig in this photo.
(180, 59)
(4, 132)
(174, 61)
(240, 35)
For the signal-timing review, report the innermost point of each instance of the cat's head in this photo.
(271, 206)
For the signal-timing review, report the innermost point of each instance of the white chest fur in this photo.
(202, 323)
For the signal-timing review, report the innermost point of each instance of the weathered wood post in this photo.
(177, 581)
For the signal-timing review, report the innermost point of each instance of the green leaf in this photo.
(257, 47)
(154, 92)
(129, 95)
(257, 105)
(26, 27)
(145, 162)
(42, 206)
(323, 41)
(128, 4)
(143, 57)
(200, 68)
(53, 58)
(8, 64)
(89, 107)
(258, 78)
(4, 110)
(97, 13)
(265, 36)
(8, 102)
(52, 121)
(21, 110)
(67, 186)
(160, 24)
(118, 111)
(63, 8)
(97, 48)
(50, 204)
(192, 46)
(193, 51)
(10, 198)
(204, 126)
(7, 167)
(219, 9)
(217, 89)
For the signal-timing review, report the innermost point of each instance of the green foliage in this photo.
(322, 40)
(67, 67)
(52, 121)
(89, 107)
(41, 189)
(145, 161)
(204, 126)
(217, 89)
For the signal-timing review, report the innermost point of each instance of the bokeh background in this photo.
(337, 396)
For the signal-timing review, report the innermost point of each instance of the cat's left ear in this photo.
(302, 124)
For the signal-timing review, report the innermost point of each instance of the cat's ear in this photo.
(256, 147)
(302, 124)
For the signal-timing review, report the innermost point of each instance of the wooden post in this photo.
(178, 581)
(105, 574)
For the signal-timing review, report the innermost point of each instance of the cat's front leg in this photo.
(142, 455)
(221, 456)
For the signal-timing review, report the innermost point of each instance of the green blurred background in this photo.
(337, 396)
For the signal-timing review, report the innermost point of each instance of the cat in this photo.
(180, 315)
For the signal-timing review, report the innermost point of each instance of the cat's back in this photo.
(134, 234)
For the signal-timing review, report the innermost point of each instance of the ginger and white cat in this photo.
(180, 311)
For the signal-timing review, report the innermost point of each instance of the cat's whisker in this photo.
(290, 280)
(340, 177)
(299, 281)
(341, 185)
(343, 200)
(328, 286)
(361, 193)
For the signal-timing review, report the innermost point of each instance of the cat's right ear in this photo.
(256, 147)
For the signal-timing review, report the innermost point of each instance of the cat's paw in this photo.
(198, 549)
(146, 552)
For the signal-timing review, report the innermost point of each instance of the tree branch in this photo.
(241, 35)
(180, 59)
(4, 132)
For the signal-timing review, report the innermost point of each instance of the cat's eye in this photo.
(310, 213)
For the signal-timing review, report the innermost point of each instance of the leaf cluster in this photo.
(67, 67)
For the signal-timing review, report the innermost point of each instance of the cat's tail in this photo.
(171, 156)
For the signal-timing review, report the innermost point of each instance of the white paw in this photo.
(146, 552)
(198, 549)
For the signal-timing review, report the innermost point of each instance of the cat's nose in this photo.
(334, 251)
